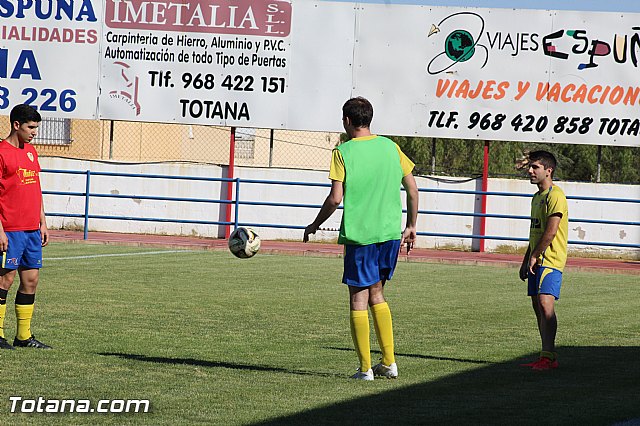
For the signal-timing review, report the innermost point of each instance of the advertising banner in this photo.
(501, 74)
(49, 56)
(473, 73)
(196, 61)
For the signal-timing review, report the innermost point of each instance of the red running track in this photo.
(619, 266)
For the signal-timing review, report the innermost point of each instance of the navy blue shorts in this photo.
(545, 281)
(25, 250)
(366, 265)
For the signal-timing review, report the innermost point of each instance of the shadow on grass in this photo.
(593, 386)
(215, 364)
(419, 356)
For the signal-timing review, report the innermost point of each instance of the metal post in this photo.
(111, 128)
(599, 160)
(483, 200)
(86, 205)
(271, 148)
(237, 203)
(230, 172)
(433, 156)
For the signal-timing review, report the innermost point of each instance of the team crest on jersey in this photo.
(27, 177)
(30, 156)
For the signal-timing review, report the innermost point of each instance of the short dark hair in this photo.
(359, 111)
(545, 158)
(23, 114)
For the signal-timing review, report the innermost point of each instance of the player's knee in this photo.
(6, 280)
(29, 284)
(547, 307)
(375, 298)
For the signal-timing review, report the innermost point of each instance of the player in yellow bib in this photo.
(546, 255)
(367, 172)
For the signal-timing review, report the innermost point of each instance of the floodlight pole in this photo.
(483, 199)
(230, 175)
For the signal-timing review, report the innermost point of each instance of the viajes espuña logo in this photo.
(461, 44)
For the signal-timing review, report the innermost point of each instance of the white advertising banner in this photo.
(197, 61)
(49, 56)
(495, 74)
(501, 74)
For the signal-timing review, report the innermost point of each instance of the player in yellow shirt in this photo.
(547, 253)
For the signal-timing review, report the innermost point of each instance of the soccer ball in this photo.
(244, 243)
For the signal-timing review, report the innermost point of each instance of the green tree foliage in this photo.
(460, 157)
(620, 165)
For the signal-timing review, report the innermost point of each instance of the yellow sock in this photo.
(360, 333)
(23, 318)
(3, 305)
(3, 311)
(384, 330)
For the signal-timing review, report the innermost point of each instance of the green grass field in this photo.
(210, 339)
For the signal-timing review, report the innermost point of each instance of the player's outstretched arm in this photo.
(329, 206)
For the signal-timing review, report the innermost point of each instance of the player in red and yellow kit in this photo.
(368, 171)
(23, 228)
(546, 256)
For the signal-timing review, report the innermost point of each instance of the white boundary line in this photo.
(94, 256)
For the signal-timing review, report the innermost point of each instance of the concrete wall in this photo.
(315, 196)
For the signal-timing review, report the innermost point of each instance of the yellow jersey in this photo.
(545, 204)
